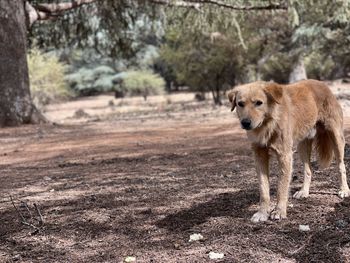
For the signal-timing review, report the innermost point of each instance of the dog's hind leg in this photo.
(339, 145)
(304, 149)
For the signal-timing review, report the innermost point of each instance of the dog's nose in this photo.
(246, 124)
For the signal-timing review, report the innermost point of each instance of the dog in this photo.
(276, 117)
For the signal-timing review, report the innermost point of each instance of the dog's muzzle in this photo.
(246, 124)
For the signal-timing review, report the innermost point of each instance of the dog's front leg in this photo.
(262, 169)
(285, 159)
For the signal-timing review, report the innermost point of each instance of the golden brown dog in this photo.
(277, 116)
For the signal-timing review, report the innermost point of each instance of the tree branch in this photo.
(51, 11)
(33, 15)
(197, 4)
(186, 4)
(55, 8)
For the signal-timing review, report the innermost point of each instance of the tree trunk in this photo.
(16, 105)
(298, 71)
(215, 91)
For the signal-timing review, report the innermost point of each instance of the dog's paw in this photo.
(260, 216)
(278, 214)
(344, 193)
(301, 194)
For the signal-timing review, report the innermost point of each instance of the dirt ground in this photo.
(118, 178)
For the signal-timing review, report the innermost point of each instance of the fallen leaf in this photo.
(130, 259)
(215, 255)
(195, 237)
(304, 228)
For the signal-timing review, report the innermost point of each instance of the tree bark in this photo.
(16, 105)
(298, 71)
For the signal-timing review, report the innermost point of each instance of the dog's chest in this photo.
(311, 133)
(261, 138)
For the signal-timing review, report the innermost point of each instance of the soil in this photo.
(123, 183)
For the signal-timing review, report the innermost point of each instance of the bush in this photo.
(144, 83)
(46, 76)
(319, 66)
(86, 82)
(277, 68)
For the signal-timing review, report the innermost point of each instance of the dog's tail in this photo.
(324, 145)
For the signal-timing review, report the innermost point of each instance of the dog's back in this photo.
(313, 104)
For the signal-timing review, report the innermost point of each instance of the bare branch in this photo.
(51, 11)
(197, 4)
(41, 219)
(47, 11)
(19, 212)
(24, 221)
(60, 7)
(31, 14)
(27, 208)
(271, 6)
(186, 4)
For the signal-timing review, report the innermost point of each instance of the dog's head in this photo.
(255, 102)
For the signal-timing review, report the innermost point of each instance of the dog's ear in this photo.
(232, 97)
(274, 92)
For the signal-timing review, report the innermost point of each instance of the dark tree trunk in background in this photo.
(16, 105)
(217, 98)
(216, 95)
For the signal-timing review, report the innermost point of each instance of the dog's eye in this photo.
(240, 104)
(258, 102)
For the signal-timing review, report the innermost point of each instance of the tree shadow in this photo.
(325, 243)
(226, 204)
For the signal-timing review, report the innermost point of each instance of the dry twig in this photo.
(41, 219)
(24, 221)
(306, 243)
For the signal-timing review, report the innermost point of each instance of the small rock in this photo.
(304, 228)
(215, 255)
(47, 178)
(195, 237)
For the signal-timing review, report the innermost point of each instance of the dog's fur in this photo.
(276, 116)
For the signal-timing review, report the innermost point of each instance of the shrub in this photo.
(46, 74)
(319, 66)
(103, 70)
(87, 81)
(277, 68)
(142, 83)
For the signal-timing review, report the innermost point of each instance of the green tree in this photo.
(202, 62)
(323, 27)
